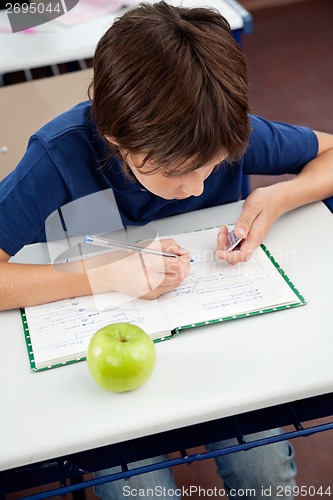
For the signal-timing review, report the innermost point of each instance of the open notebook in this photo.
(215, 291)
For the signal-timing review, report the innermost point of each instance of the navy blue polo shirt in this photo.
(66, 160)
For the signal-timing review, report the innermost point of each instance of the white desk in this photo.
(202, 374)
(54, 43)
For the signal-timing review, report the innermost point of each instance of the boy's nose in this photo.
(193, 185)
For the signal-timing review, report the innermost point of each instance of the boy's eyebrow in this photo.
(174, 173)
(183, 169)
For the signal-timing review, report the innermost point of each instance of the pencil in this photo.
(103, 242)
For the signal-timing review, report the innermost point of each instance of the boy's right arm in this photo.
(23, 285)
(145, 276)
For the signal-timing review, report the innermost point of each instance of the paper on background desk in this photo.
(86, 10)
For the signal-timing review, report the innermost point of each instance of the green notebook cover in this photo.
(58, 333)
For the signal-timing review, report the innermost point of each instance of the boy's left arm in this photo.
(265, 205)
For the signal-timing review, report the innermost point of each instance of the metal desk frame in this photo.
(74, 466)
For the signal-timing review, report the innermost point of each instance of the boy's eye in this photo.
(172, 175)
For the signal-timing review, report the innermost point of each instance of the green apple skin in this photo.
(121, 357)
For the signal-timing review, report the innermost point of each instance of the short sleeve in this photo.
(28, 195)
(278, 148)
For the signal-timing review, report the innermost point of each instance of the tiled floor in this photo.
(290, 57)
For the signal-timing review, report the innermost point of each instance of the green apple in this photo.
(121, 357)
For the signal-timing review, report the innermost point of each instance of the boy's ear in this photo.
(111, 139)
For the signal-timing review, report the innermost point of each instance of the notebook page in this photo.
(61, 331)
(215, 289)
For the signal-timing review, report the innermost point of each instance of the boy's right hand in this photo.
(142, 275)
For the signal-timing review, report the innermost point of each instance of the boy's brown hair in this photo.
(171, 83)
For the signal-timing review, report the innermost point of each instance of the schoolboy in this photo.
(168, 131)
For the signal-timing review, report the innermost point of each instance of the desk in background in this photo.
(54, 43)
(249, 368)
(25, 107)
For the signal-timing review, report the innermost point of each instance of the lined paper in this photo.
(215, 290)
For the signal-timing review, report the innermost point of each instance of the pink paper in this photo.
(86, 10)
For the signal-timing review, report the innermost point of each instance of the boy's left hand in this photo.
(260, 210)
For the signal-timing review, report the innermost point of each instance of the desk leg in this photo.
(77, 494)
